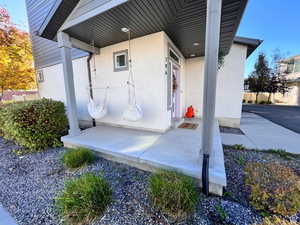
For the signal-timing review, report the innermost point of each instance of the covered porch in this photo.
(197, 28)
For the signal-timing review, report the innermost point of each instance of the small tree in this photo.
(273, 85)
(283, 85)
(258, 81)
(277, 81)
(16, 61)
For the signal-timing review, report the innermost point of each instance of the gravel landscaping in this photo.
(29, 184)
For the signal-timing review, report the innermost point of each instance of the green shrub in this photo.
(35, 125)
(238, 147)
(83, 199)
(74, 158)
(274, 188)
(262, 102)
(235, 147)
(221, 212)
(250, 101)
(173, 193)
(244, 100)
(277, 221)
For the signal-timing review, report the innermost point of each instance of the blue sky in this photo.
(277, 22)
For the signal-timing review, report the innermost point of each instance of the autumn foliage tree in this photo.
(16, 61)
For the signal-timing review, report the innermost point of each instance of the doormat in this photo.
(191, 126)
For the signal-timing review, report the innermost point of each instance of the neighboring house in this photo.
(169, 41)
(290, 69)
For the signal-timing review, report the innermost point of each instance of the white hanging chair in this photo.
(98, 111)
(133, 111)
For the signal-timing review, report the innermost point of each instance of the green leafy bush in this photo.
(74, 158)
(262, 102)
(250, 101)
(83, 199)
(238, 147)
(35, 125)
(274, 188)
(173, 193)
(277, 221)
(244, 100)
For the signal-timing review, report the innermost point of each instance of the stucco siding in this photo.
(148, 71)
(53, 86)
(229, 86)
(292, 97)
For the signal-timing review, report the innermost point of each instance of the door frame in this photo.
(176, 96)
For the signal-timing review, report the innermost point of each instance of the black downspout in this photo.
(90, 81)
(205, 174)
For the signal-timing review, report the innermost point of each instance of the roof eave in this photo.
(51, 25)
(251, 43)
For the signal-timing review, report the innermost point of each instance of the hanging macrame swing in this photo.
(98, 111)
(133, 111)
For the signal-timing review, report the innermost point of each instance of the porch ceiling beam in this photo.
(84, 46)
(213, 25)
(96, 11)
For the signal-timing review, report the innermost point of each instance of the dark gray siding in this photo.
(45, 52)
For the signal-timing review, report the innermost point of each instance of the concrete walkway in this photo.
(283, 115)
(261, 133)
(5, 218)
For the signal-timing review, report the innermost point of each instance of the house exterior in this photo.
(290, 69)
(150, 55)
(82, 50)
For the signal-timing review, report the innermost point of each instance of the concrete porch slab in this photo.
(178, 149)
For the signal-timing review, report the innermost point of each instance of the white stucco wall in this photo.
(148, 63)
(149, 58)
(292, 97)
(53, 86)
(229, 86)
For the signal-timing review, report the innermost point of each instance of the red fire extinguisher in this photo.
(190, 112)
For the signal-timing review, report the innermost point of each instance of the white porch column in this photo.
(65, 46)
(213, 23)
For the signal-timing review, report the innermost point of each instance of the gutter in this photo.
(90, 81)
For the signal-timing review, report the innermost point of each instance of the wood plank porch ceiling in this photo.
(183, 20)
